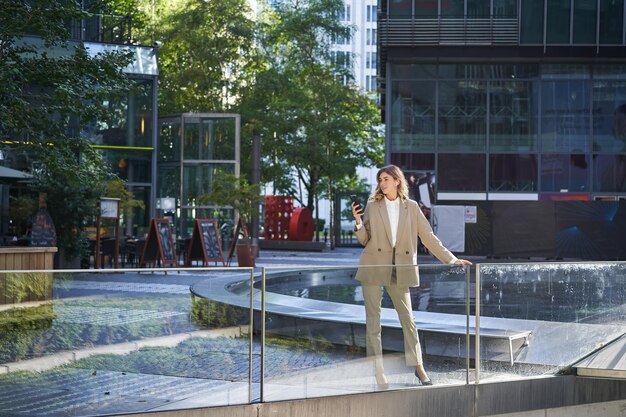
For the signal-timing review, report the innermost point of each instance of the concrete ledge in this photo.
(292, 245)
(546, 396)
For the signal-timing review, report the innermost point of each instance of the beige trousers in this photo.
(401, 297)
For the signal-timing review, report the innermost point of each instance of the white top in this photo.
(393, 211)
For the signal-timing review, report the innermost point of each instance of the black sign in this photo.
(42, 232)
(159, 244)
(205, 243)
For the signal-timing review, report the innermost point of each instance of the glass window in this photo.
(129, 119)
(210, 140)
(585, 14)
(169, 141)
(565, 71)
(169, 181)
(609, 173)
(513, 173)
(426, 9)
(532, 22)
(197, 180)
(609, 116)
(413, 116)
(564, 173)
(130, 165)
(464, 71)
(461, 172)
(413, 71)
(505, 9)
(452, 8)
(462, 116)
(414, 161)
(565, 121)
(611, 21)
(400, 8)
(513, 116)
(513, 71)
(558, 21)
(478, 9)
(609, 71)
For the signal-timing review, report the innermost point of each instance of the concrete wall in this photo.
(538, 397)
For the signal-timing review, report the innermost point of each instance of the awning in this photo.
(10, 175)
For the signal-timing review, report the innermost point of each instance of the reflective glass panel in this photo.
(478, 9)
(609, 173)
(505, 9)
(210, 139)
(129, 119)
(462, 115)
(413, 71)
(400, 8)
(414, 161)
(130, 165)
(611, 22)
(539, 306)
(316, 343)
(532, 22)
(558, 21)
(125, 342)
(513, 173)
(461, 172)
(169, 141)
(452, 9)
(609, 116)
(565, 120)
(565, 173)
(585, 17)
(426, 8)
(413, 116)
(513, 116)
(198, 179)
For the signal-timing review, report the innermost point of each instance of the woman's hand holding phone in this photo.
(357, 209)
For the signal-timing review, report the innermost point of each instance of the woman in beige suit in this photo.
(389, 229)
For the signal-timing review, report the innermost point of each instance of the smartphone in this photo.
(355, 200)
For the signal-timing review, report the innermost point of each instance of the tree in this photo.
(50, 88)
(313, 125)
(206, 55)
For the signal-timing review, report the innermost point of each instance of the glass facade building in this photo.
(193, 147)
(506, 99)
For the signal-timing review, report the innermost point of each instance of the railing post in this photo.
(477, 325)
(262, 367)
(251, 336)
(468, 312)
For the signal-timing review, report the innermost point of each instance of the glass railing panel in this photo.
(316, 343)
(114, 342)
(539, 319)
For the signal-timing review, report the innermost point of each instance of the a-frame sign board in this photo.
(205, 243)
(159, 245)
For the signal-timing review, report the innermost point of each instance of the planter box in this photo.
(27, 286)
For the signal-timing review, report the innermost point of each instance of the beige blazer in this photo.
(375, 235)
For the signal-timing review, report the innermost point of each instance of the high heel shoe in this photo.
(381, 381)
(422, 381)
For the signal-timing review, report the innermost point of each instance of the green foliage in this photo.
(116, 188)
(21, 209)
(73, 176)
(207, 54)
(19, 286)
(50, 88)
(32, 332)
(312, 124)
(234, 191)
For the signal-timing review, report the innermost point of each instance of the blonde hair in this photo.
(395, 173)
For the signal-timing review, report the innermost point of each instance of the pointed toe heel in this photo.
(424, 382)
